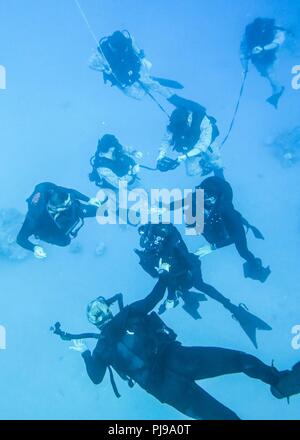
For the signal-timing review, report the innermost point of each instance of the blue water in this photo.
(53, 112)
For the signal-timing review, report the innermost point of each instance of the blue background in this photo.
(51, 116)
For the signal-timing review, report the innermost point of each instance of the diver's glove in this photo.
(95, 202)
(78, 345)
(135, 170)
(39, 252)
(204, 250)
(163, 267)
(138, 155)
(171, 303)
(168, 304)
(161, 155)
(257, 50)
(182, 158)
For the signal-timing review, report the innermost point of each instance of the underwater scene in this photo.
(150, 210)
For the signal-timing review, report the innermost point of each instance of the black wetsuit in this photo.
(185, 267)
(162, 366)
(261, 33)
(41, 224)
(223, 224)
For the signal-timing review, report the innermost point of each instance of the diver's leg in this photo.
(149, 84)
(207, 288)
(201, 405)
(271, 77)
(134, 91)
(265, 66)
(154, 87)
(205, 362)
(216, 161)
(188, 398)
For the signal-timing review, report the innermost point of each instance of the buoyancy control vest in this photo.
(124, 62)
(137, 351)
(68, 221)
(260, 33)
(121, 166)
(184, 142)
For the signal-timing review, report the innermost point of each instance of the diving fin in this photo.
(249, 323)
(171, 84)
(192, 310)
(196, 295)
(256, 271)
(289, 384)
(274, 99)
(191, 303)
(256, 232)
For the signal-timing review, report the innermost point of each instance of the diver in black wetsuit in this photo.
(162, 243)
(141, 348)
(223, 226)
(260, 45)
(55, 215)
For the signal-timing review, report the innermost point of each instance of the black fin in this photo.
(256, 232)
(191, 303)
(192, 310)
(198, 295)
(274, 99)
(171, 84)
(249, 322)
(256, 271)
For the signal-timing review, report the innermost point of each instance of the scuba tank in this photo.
(124, 62)
(121, 166)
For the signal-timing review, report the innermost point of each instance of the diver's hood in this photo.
(56, 208)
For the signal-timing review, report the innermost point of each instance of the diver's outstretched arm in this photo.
(119, 298)
(234, 224)
(95, 367)
(27, 230)
(147, 304)
(76, 194)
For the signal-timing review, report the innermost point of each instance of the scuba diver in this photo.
(260, 45)
(124, 65)
(162, 243)
(55, 215)
(141, 349)
(223, 226)
(191, 134)
(113, 163)
(115, 166)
